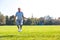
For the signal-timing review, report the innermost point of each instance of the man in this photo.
(19, 19)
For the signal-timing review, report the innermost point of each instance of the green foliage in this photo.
(10, 21)
(1, 18)
(28, 22)
(7, 20)
(47, 20)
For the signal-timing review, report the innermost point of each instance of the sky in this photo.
(39, 8)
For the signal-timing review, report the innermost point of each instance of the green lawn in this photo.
(30, 33)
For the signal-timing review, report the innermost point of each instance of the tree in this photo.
(41, 20)
(7, 20)
(1, 18)
(28, 22)
(12, 20)
(48, 20)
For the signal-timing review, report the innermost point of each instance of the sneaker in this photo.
(18, 30)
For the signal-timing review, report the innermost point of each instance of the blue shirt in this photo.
(19, 15)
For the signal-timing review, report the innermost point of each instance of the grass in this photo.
(30, 33)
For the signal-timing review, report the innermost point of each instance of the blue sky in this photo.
(38, 8)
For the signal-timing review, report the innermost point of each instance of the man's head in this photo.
(19, 9)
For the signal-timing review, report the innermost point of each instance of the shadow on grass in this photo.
(2, 36)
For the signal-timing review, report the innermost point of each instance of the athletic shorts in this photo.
(19, 22)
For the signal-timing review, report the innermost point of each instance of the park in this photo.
(29, 19)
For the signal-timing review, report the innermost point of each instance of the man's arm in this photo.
(15, 17)
(23, 15)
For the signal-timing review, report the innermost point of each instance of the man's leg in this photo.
(21, 23)
(18, 26)
(17, 22)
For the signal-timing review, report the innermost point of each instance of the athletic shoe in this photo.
(18, 30)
